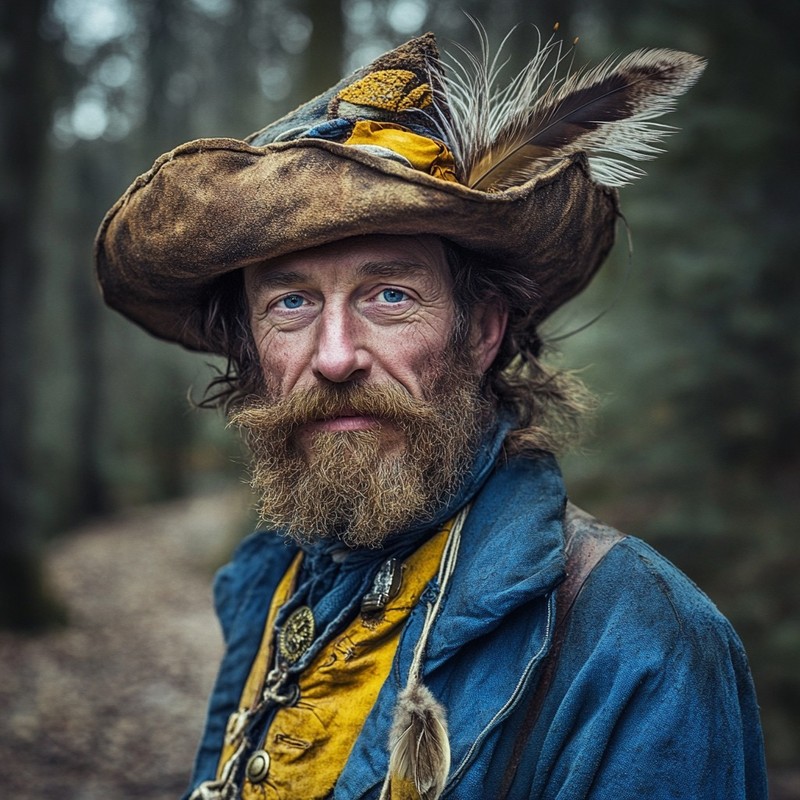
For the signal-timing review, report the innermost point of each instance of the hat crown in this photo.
(395, 88)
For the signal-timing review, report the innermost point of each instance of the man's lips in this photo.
(343, 422)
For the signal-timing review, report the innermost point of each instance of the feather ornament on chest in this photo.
(418, 743)
(503, 136)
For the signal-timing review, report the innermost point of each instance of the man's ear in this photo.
(488, 327)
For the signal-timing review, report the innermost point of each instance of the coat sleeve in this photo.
(652, 695)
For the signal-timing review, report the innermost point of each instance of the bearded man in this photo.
(424, 614)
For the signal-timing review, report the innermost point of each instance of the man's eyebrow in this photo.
(263, 280)
(392, 269)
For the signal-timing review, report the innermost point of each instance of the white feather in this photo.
(502, 137)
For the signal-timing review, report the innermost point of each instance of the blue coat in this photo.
(652, 697)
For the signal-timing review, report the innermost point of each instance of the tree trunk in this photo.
(27, 103)
(324, 56)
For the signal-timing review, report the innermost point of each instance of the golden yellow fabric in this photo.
(310, 742)
(424, 154)
(263, 660)
(389, 90)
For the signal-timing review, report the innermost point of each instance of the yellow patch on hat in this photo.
(424, 154)
(389, 90)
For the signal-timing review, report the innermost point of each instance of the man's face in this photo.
(373, 310)
(367, 395)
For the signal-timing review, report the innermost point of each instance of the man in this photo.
(425, 615)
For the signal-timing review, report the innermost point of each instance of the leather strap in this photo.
(587, 541)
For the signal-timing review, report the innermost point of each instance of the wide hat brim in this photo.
(213, 206)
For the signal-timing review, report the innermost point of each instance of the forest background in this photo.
(695, 447)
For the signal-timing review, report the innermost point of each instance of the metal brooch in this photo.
(296, 634)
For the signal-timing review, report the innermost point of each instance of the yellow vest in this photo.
(307, 744)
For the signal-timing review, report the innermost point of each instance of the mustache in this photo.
(386, 402)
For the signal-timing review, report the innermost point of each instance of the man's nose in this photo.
(340, 353)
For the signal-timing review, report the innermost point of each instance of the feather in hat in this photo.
(503, 137)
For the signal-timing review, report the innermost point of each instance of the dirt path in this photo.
(111, 707)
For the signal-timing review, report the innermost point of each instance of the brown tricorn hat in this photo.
(526, 180)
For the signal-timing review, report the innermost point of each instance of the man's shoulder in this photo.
(261, 550)
(634, 589)
(644, 671)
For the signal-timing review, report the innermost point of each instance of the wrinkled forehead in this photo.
(422, 258)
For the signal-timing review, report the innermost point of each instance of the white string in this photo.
(446, 568)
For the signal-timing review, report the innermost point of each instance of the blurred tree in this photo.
(91, 496)
(27, 98)
(324, 61)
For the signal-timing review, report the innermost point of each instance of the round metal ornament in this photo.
(296, 634)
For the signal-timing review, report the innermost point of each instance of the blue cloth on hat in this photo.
(334, 130)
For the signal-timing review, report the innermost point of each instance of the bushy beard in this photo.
(361, 486)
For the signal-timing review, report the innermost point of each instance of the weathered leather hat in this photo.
(525, 177)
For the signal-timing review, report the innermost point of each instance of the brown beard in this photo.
(361, 486)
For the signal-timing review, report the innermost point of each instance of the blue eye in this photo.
(292, 301)
(393, 295)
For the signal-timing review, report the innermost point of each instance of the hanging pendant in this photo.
(297, 634)
(384, 588)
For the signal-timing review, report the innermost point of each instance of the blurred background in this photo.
(118, 500)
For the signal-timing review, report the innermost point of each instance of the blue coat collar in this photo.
(511, 551)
